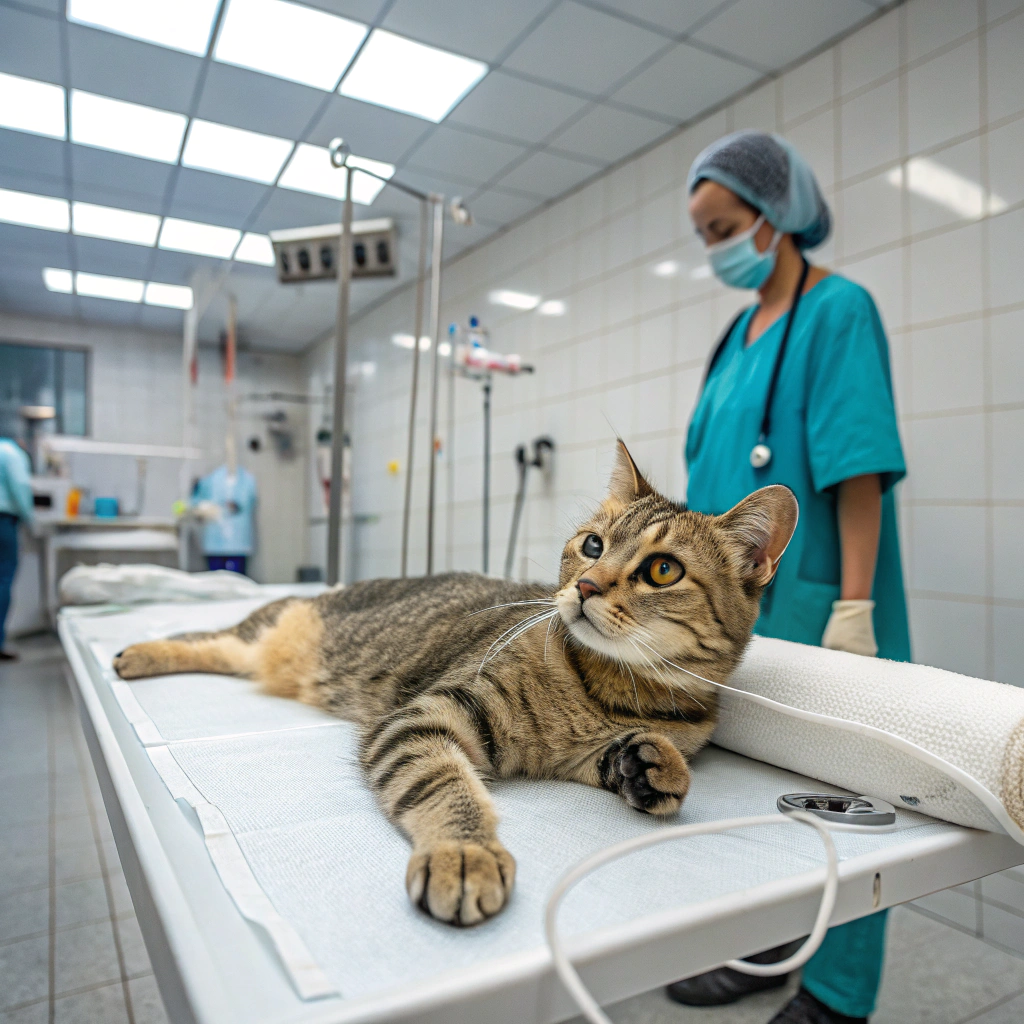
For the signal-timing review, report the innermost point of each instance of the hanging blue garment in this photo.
(232, 533)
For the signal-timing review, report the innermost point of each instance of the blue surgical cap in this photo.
(767, 172)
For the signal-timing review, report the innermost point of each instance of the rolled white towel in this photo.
(974, 724)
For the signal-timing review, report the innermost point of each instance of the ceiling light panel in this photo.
(99, 286)
(201, 239)
(310, 170)
(175, 296)
(30, 106)
(403, 75)
(235, 151)
(177, 24)
(254, 248)
(34, 211)
(515, 300)
(126, 127)
(117, 225)
(288, 40)
(58, 280)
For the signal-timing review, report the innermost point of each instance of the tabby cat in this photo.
(452, 685)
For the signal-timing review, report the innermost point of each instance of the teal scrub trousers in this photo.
(847, 969)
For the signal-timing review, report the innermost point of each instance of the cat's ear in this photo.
(627, 483)
(762, 524)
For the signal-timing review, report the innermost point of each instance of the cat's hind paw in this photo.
(461, 883)
(649, 772)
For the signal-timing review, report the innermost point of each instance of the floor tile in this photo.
(79, 860)
(24, 839)
(24, 870)
(147, 1006)
(73, 830)
(119, 891)
(1011, 1012)
(133, 946)
(25, 972)
(82, 902)
(85, 956)
(37, 1013)
(98, 1006)
(24, 913)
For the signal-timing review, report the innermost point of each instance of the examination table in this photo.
(270, 888)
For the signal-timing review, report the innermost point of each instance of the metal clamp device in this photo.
(840, 809)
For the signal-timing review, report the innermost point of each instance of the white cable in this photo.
(586, 1002)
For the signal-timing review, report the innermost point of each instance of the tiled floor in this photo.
(71, 951)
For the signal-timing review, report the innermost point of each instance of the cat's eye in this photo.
(662, 571)
(592, 546)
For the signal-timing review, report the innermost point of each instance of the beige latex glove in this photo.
(850, 628)
(207, 511)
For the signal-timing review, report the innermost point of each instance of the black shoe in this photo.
(724, 985)
(8, 656)
(803, 1008)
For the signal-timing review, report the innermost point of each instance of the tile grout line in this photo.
(51, 765)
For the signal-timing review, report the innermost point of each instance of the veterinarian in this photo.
(15, 505)
(798, 392)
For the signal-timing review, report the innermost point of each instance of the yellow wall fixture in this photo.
(393, 467)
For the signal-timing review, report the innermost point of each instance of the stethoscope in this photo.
(761, 454)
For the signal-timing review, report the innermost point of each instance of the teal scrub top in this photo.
(232, 533)
(832, 418)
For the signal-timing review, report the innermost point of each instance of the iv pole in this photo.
(435, 338)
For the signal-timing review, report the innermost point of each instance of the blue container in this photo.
(105, 508)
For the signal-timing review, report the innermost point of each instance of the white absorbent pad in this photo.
(974, 724)
(307, 855)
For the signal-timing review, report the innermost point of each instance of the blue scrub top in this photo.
(232, 533)
(832, 418)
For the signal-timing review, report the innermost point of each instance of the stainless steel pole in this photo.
(334, 545)
(416, 334)
(435, 337)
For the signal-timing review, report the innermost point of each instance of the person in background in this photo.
(226, 500)
(15, 505)
(798, 392)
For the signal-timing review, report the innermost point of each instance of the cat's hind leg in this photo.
(223, 653)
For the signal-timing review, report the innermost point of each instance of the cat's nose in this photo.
(587, 588)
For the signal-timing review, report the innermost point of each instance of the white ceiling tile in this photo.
(374, 132)
(608, 134)
(19, 245)
(583, 48)
(160, 318)
(101, 167)
(774, 33)
(457, 25)
(511, 106)
(365, 11)
(501, 207)
(259, 103)
(117, 195)
(55, 6)
(32, 154)
(460, 154)
(101, 256)
(676, 16)
(546, 174)
(685, 82)
(31, 45)
(109, 311)
(288, 209)
(214, 198)
(127, 69)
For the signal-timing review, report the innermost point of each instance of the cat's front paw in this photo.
(648, 771)
(137, 661)
(461, 883)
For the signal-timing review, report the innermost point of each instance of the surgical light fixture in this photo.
(516, 300)
(552, 307)
(310, 170)
(254, 248)
(58, 280)
(933, 181)
(177, 24)
(99, 286)
(666, 268)
(175, 296)
(235, 151)
(30, 106)
(410, 77)
(202, 239)
(126, 127)
(117, 225)
(287, 40)
(34, 211)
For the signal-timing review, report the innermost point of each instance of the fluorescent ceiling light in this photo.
(701, 272)
(400, 74)
(34, 211)
(310, 170)
(100, 286)
(177, 296)
(288, 41)
(517, 300)
(667, 268)
(58, 280)
(255, 248)
(30, 106)
(444, 349)
(931, 180)
(235, 151)
(553, 307)
(126, 127)
(118, 225)
(203, 239)
(178, 24)
(406, 341)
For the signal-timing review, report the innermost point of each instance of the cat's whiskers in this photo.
(517, 631)
(674, 682)
(510, 604)
(654, 668)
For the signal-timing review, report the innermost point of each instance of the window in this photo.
(37, 375)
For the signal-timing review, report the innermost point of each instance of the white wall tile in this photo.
(948, 363)
(943, 97)
(1007, 435)
(871, 215)
(815, 138)
(882, 275)
(964, 160)
(946, 460)
(995, 9)
(757, 110)
(948, 634)
(871, 53)
(945, 275)
(1006, 333)
(1005, 69)
(948, 550)
(1006, 258)
(1008, 540)
(1005, 167)
(935, 23)
(808, 86)
(871, 129)
(1008, 649)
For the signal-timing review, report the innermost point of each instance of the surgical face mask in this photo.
(737, 262)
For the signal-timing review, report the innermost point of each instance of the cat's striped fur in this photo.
(455, 681)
